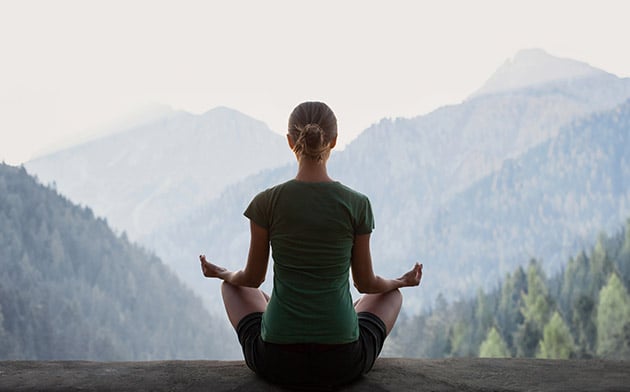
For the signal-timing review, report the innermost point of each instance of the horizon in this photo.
(70, 77)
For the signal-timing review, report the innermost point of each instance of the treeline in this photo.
(581, 312)
(70, 288)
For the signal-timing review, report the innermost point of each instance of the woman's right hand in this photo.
(413, 277)
(210, 270)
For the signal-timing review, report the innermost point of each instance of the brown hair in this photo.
(312, 126)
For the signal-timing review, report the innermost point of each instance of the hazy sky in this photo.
(70, 68)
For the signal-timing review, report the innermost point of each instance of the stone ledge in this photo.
(388, 374)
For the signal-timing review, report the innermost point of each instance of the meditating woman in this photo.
(309, 333)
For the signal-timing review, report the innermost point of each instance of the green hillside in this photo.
(582, 311)
(70, 288)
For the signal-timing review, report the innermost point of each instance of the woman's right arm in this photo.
(255, 270)
(363, 275)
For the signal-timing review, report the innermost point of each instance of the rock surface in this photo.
(388, 374)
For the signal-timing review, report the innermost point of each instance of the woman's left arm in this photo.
(253, 275)
(363, 274)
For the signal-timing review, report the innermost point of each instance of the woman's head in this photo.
(313, 130)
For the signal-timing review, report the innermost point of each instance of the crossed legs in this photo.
(384, 305)
(240, 301)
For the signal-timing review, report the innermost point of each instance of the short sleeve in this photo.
(258, 210)
(364, 219)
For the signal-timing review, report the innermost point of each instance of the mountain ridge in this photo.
(532, 67)
(70, 288)
(567, 190)
(140, 177)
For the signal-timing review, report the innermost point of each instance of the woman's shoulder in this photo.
(351, 192)
(279, 187)
(273, 190)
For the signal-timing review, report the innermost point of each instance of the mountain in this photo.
(71, 289)
(143, 177)
(532, 67)
(413, 169)
(549, 203)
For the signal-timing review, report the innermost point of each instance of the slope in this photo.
(71, 289)
(548, 203)
(141, 178)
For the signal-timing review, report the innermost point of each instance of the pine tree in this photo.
(613, 320)
(536, 306)
(4, 340)
(601, 265)
(436, 330)
(483, 315)
(557, 342)
(623, 260)
(461, 339)
(575, 283)
(508, 311)
(536, 301)
(583, 321)
(494, 346)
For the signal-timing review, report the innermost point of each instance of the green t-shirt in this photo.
(311, 228)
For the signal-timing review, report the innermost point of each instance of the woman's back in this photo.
(311, 228)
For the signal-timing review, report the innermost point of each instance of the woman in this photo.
(309, 333)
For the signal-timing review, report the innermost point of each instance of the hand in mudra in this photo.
(210, 270)
(413, 277)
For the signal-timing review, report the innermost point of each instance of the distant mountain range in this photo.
(146, 176)
(433, 181)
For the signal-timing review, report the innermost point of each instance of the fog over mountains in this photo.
(144, 177)
(533, 164)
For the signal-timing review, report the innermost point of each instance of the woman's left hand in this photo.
(210, 270)
(413, 277)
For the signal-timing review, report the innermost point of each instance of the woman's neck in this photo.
(312, 171)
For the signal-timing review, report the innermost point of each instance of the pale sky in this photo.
(69, 69)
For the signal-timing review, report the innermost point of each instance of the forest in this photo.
(581, 311)
(70, 288)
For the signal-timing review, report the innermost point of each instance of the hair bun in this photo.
(313, 127)
(313, 136)
(311, 141)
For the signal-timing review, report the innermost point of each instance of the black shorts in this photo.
(311, 365)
